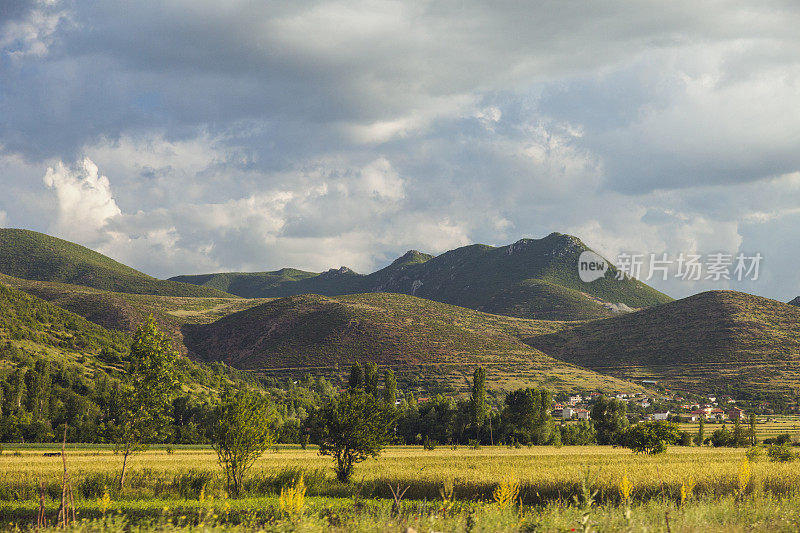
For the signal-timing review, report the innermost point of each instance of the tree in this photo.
(144, 410)
(389, 388)
(356, 376)
(701, 432)
(371, 378)
(609, 419)
(753, 438)
(478, 400)
(241, 435)
(351, 427)
(526, 416)
(578, 434)
(650, 437)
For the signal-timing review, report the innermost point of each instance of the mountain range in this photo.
(532, 278)
(519, 310)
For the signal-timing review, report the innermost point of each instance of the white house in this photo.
(582, 414)
(566, 413)
(662, 415)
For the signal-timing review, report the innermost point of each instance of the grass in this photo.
(32, 255)
(184, 488)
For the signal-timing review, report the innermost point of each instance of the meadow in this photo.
(559, 489)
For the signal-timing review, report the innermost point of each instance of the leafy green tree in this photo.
(351, 427)
(371, 378)
(145, 405)
(478, 399)
(389, 388)
(608, 416)
(578, 434)
(242, 434)
(650, 437)
(526, 416)
(701, 432)
(722, 437)
(356, 376)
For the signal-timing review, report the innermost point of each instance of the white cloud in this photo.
(84, 198)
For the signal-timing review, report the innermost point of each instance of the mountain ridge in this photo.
(471, 276)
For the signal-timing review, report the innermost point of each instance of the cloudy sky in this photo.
(194, 136)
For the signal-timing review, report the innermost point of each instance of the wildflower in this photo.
(625, 488)
(292, 498)
(687, 488)
(104, 502)
(744, 476)
(506, 492)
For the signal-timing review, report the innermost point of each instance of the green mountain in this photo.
(426, 342)
(532, 278)
(711, 342)
(36, 256)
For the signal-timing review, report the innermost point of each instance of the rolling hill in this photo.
(532, 278)
(426, 342)
(124, 311)
(711, 342)
(36, 256)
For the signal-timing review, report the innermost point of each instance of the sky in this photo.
(198, 136)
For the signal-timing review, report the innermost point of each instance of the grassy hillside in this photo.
(532, 278)
(426, 342)
(36, 256)
(711, 342)
(124, 311)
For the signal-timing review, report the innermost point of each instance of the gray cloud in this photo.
(251, 135)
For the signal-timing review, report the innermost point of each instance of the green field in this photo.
(766, 427)
(183, 488)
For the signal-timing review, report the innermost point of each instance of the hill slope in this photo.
(124, 311)
(710, 342)
(36, 256)
(426, 342)
(532, 278)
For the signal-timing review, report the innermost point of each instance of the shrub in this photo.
(781, 453)
(780, 440)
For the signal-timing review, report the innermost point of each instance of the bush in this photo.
(780, 440)
(754, 453)
(781, 453)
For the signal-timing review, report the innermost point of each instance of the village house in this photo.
(581, 414)
(661, 415)
(735, 413)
